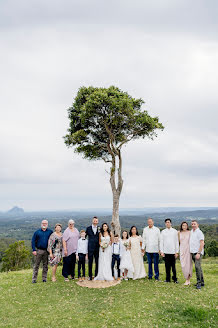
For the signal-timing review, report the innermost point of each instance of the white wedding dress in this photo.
(137, 258)
(104, 261)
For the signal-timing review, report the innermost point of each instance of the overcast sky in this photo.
(164, 51)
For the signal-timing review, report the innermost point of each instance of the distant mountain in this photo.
(16, 211)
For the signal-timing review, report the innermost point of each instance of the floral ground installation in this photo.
(98, 283)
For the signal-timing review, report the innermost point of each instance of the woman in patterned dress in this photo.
(55, 246)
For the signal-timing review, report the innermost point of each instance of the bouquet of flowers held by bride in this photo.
(104, 245)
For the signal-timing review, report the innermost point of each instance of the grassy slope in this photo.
(139, 303)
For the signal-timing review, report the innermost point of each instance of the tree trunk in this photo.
(115, 224)
(116, 191)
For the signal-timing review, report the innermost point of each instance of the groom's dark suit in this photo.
(93, 249)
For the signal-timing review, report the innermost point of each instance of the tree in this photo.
(212, 249)
(16, 257)
(4, 244)
(102, 120)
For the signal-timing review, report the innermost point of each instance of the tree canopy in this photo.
(104, 118)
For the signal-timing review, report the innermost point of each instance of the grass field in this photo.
(140, 303)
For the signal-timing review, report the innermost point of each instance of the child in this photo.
(82, 254)
(126, 262)
(116, 254)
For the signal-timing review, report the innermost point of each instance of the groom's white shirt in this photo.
(94, 229)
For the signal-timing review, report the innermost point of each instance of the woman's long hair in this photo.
(102, 231)
(182, 224)
(127, 234)
(130, 231)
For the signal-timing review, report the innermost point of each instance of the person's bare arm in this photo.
(142, 250)
(197, 256)
(65, 247)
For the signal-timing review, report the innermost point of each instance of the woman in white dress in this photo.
(105, 254)
(126, 265)
(137, 254)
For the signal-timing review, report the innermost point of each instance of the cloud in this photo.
(165, 53)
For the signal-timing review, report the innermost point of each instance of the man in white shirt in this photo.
(169, 247)
(197, 251)
(151, 243)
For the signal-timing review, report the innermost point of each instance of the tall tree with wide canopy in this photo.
(102, 120)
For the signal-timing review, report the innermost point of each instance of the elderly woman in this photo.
(70, 240)
(55, 246)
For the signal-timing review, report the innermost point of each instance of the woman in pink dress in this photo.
(185, 255)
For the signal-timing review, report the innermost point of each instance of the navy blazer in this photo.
(93, 239)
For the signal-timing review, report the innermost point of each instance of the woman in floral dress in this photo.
(55, 246)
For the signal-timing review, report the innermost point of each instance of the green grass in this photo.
(139, 303)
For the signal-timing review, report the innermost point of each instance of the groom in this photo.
(93, 245)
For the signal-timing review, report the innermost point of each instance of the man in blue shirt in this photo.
(39, 247)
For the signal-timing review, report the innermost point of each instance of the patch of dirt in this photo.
(98, 283)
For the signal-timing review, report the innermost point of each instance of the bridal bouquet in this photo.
(126, 244)
(104, 245)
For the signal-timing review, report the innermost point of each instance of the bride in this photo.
(105, 254)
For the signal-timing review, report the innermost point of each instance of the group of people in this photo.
(126, 253)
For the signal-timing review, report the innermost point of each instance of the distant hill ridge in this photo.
(16, 210)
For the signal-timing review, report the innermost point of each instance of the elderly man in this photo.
(39, 247)
(197, 251)
(151, 243)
